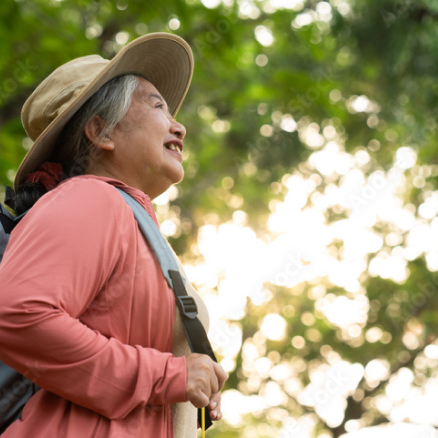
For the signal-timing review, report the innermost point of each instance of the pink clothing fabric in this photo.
(86, 314)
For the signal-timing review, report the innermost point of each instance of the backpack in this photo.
(8, 223)
(16, 389)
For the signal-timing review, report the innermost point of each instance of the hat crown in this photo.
(57, 92)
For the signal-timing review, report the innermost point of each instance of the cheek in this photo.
(162, 120)
(154, 124)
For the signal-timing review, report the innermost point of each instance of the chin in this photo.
(178, 177)
(171, 181)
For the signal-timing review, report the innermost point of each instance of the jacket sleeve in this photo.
(58, 259)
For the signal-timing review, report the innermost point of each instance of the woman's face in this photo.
(147, 144)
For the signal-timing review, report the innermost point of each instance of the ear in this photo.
(93, 131)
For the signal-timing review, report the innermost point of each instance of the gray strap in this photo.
(154, 237)
(195, 332)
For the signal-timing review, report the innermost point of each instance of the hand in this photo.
(205, 378)
(215, 407)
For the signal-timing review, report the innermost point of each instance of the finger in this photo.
(215, 406)
(221, 375)
(215, 401)
(202, 392)
(214, 384)
(215, 415)
(200, 400)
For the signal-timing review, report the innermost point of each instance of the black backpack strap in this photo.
(194, 329)
(195, 332)
(9, 197)
(6, 220)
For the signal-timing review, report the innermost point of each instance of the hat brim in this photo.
(165, 60)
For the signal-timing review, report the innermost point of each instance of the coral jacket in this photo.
(86, 314)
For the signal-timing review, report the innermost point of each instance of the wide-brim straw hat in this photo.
(165, 60)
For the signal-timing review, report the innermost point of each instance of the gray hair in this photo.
(111, 103)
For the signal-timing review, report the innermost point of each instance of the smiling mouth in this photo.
(175, 146)
(172, 147)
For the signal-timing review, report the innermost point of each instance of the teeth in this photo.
(172, 147)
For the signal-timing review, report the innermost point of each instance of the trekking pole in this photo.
(203, 422)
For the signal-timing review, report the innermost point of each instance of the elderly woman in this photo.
(85, 311)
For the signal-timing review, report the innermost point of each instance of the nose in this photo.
(177, 129)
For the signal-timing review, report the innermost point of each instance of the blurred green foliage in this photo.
(383, 49)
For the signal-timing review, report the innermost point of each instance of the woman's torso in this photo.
(132, 305)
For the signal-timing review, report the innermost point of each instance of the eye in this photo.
(159, 105)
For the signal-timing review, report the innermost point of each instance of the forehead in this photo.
(147, 90)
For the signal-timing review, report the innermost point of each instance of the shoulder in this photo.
(80, 203)
(82, 192)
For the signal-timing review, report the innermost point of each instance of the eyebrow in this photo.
(157, 95)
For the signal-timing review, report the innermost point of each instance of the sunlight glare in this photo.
(234, 405)
(264, 36)
(406, 158)
(343, 311)
(328, 388)
(211, 4)
(274, 327)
